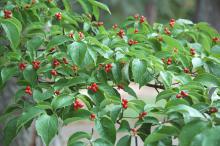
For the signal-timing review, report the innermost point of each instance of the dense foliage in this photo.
(55, 53)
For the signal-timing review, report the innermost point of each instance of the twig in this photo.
(136, 141)
(156, 86)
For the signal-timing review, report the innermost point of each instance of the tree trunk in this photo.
(209, 11)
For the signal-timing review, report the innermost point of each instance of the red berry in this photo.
(121, 33)
(167, 31)
(130, 42)
(57, 92)
(172, 22)
(142, 19)
(81, 35)
(58, 16)
(136, 30)
(142, 115)
(65, 61)
(77, 105)
(7, 14)
(108, 68)
(22, 66)
(136, 16)
(100, 24)
(134, 131)
(92, 117)
(71, 35)
(124, 103)
(52, 49)
(186, 70)
(120, 87)
(115, 26)
(28, 90)
(215, 39)
(36, 64)
(184, 94)
(94, 87)
(56, 63)
(178, 95)
(213, 110)
(53, 72)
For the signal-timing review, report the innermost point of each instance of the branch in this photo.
(156, 86)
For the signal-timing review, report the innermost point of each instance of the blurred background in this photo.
(155, 11)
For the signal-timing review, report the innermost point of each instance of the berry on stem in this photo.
(124, 103)
(22, 66)
(7, 14)
(58, 16)
(93, 87)
(92, 117)
(136, 30)
(65, 61)
(53, 72)
(115, 26)
(100, 24)
(121, 33)
(184, 94)
(215, 39)
(57, 92)
(28, 90)
(108, 68)
(36, 64)
(142, 19)
(213, 110)
(167, 31)
(172, 22)
(178, 95)
(186, 70)
(71, 35)
(142, 115)
(56, 63)
(77, 105)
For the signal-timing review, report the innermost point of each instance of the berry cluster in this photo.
(108, 68)
(124, 103)
(100, 24)
(7, 14)
(94, 87)
(121, 33)
(213, 110)
(77, 105)
(168, 62)
(115, 26)
(28, 90)
(57, 92)
(92, 117)
(167, 31)
(132, 42)
(53, 72)
(215, 39)
(186, 70)
(142, 19)
(182, 94)
(36, 64)
(22, 66)
(172, 22)
(58, 16)
(56, 63)
(192, 51)
(142, 115)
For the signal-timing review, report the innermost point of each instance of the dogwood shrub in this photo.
(55, 53)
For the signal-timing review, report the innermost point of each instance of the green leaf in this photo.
(124, 126)
(72, 115)
(96, 13)
(161, 133)
(100, 5)
(85, 5)
(67, 5)
(58, 40)
(70, 82)
(62, 101)
(125, 141)
(7, 73)
(77, 51)
(12, 28)
(208, 137)
(208, 80)
(166, 94)
(39, 96)
(166, 78)
(190, 130)
(102, 142)
(138, 71)
(28, 115)
(106, 129)
(187, 111)
(172, 43)
(77, 136)
(215, 50)
(32, 46)
(10, 131)
(197, 62)
(30, 75)
(47, 127)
